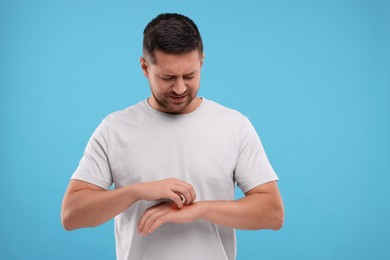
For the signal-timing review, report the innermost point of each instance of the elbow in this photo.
(273, 220)
(278, 222)
(67, 227)
(278, 219)
(68, 218)
(71, 220)
(66, 222)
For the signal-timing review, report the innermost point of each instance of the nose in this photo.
(179, 87)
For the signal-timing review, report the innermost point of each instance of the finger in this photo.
(142, 220)
(184, 188)
(187, 197)
(157, 223)
(175, 197)
(145, 216)
(183, 199)
(155, 216)
(193, 195)
(188, 193)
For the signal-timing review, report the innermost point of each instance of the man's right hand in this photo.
(166, 189)
(88, 205)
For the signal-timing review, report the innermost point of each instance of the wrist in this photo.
(134, 191)
(202, 208)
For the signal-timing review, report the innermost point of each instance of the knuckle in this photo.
(178, 201)
(157, 222)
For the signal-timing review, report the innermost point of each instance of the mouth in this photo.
(178, 99)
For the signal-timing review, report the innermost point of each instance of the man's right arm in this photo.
(88, 205)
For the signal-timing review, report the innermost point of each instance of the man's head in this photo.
(173, 58)
(172, 34)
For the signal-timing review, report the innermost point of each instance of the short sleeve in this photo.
(253, 167)
(94, 165)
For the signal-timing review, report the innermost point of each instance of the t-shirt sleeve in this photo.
(253, 167)
(94, 165)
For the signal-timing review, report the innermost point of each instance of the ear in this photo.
(144, 66)
(201, 60)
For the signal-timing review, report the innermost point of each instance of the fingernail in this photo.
(183, 199)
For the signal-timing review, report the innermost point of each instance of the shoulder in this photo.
(129, 115)
(224, 112)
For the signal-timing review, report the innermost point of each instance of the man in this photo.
(174, 160)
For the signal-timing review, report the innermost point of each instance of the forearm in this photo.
(261, 208)
(256, 211)
(88, 207)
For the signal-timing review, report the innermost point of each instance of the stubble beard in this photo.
(172, 108)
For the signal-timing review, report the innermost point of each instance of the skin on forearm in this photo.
(89, 207)
(256, 211)
(261, 208)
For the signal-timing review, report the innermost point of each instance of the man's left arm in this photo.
(261, 208)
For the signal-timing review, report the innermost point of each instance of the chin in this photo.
(177, 109)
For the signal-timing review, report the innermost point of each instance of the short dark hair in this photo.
(171, 33)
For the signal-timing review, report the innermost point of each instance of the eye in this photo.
(189, 76)
(166, 77)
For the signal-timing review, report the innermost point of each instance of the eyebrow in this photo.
(173, 75)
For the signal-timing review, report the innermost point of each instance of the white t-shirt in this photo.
(212, 148)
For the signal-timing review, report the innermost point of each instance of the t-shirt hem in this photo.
(93, 180)
(252, 184)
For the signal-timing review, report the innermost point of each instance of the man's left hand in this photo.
(166, 212)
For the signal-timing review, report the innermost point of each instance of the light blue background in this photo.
(312, 76)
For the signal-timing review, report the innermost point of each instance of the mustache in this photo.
(173, 94)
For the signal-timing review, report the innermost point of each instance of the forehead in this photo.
(176, 63)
